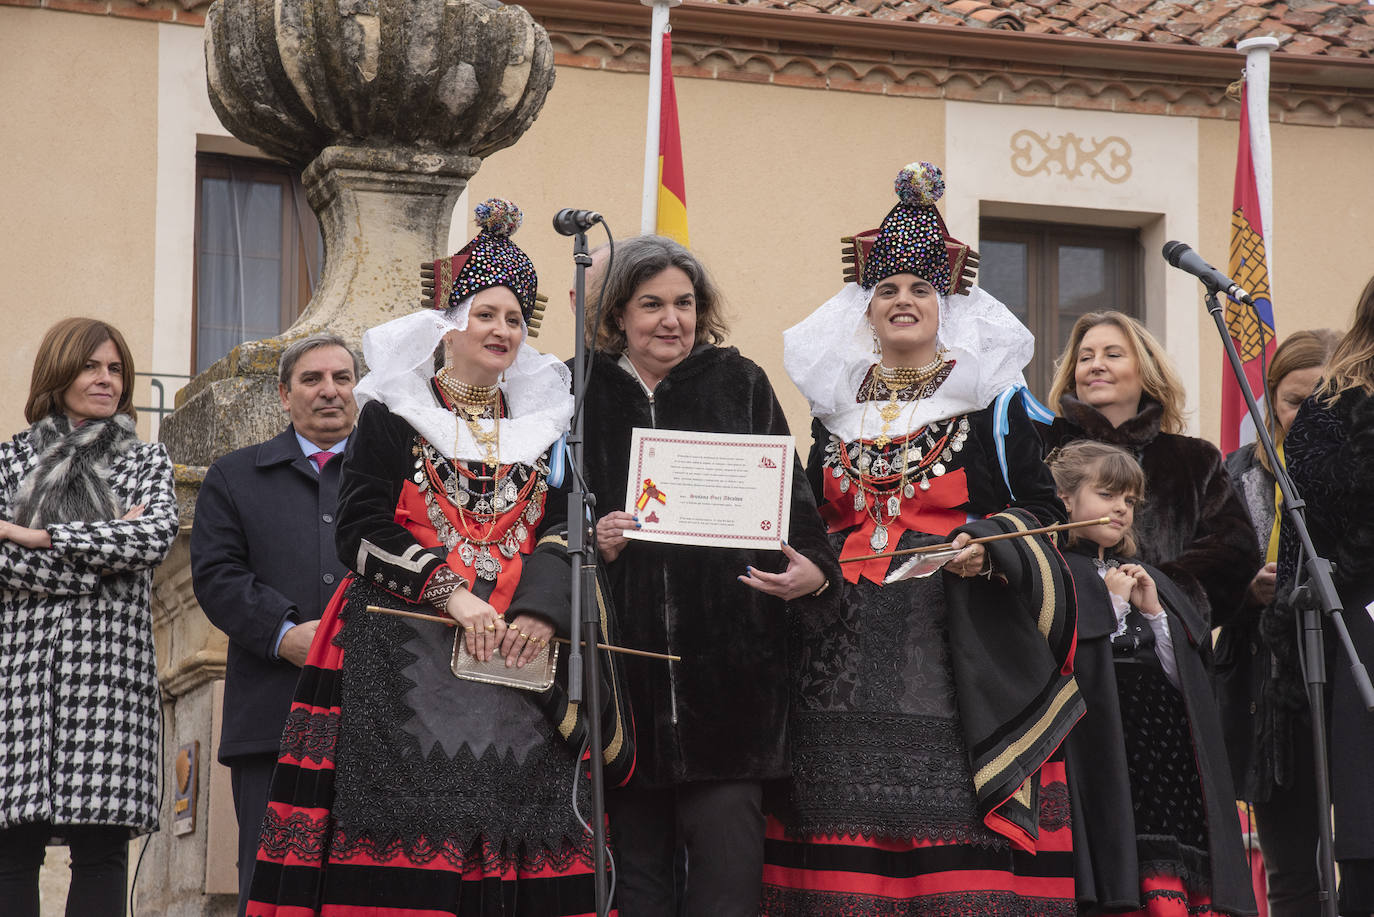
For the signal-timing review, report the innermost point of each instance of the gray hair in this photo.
(297, 349)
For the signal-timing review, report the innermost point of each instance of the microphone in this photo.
(569, 222)
(1185, 259)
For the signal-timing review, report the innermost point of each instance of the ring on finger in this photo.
(490, 628)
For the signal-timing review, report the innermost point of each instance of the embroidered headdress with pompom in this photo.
(912, 239)
(491, 259)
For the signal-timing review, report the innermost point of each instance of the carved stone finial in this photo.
(389, 106)
(455, 77)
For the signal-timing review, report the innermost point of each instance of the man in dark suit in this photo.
(264, 566)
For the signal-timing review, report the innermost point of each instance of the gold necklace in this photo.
(472, 403)
(897, 379)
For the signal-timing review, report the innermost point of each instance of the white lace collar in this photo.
(828, 353)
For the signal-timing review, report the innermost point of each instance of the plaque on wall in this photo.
(187, 770)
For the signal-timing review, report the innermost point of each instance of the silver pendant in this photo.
(858, 500)
(532, 512)
(509, 547)
(511, 493)
(844, 484)
(465, 553)
(521, 533)
(894, 506)
(419, 477)
(487, 567)
(957, 445)
(498, 503)
(946, 455)
(879, 540)
(837, 471)
(908, 491)
(925, 484)
(914, 455)
(939, 469)
(463, 498)
(864, 462)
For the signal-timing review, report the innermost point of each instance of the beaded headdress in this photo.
(912, 239)
(491, 259)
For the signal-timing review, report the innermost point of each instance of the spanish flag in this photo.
(672, 188)
(1251, 327)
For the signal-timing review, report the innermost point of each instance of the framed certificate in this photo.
(714, 489)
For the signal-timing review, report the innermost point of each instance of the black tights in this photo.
(100, 868)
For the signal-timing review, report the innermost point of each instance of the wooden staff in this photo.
(449, 622)
(932, 548)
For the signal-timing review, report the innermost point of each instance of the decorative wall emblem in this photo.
(1070, 156)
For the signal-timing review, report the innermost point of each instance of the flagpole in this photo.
(648, 220)
(1257, 51)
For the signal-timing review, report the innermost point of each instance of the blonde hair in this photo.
(1307, 349)
(1095, 464)
(1352, 363)
(1158, 378)
(62, 356)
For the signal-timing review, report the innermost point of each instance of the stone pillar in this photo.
(389, 106)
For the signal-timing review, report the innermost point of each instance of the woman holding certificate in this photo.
(922, 435)
(710, 728)
(414, 779)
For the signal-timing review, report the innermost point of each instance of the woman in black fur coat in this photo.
(1329, 452)
(712, 727)
(1115, 384)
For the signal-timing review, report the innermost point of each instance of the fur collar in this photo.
(1135, 433)
(70, 482)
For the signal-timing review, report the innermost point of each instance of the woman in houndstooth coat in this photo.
(86, 512)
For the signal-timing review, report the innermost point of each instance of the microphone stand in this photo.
(1318, 571)
(584, 681)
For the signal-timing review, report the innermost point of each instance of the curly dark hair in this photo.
(639, 260)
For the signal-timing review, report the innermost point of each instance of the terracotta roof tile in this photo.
(1341, 28)
(1302, 19)
(1306, 44)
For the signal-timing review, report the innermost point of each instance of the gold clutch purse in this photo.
(536, 675)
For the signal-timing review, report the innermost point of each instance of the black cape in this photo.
(1105, 863)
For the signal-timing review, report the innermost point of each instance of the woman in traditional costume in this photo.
(1115, 384)
(87, 512)
(1156, 832)
(402, 789)
(1329, 451)
(927, 712)
(711, 728)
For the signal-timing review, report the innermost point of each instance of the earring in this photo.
(877, 345)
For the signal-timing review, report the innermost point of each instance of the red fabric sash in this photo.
(412, 513)
(930, 511)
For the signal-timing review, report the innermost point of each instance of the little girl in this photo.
(1154, 816)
